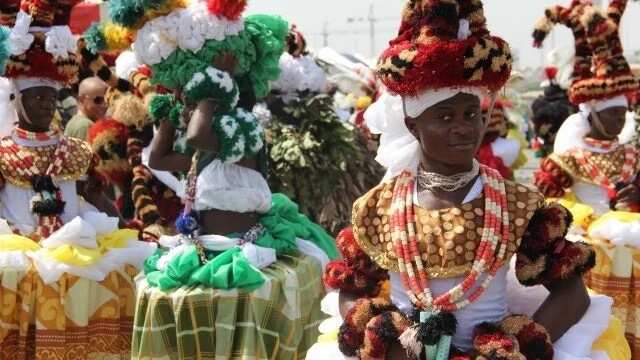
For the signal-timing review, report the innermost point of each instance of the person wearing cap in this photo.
(455, 240)
(594, 166)
(67, 270)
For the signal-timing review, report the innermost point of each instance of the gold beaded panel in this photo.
(610, 164)
(75, 164)
(448, 238)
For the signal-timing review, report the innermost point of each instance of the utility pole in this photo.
(325, 34)
(372, 29)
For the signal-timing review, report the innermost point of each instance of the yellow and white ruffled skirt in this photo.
(72, 298)
(615, 237)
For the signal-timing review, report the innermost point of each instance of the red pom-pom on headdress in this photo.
(550, 72)
(230, 9)
(498, 104)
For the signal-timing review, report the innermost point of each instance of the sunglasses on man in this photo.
(98, 100)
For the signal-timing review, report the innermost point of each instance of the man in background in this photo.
(91, 107)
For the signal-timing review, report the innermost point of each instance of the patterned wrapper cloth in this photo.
(279, 320)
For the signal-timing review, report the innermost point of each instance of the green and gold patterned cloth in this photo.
(279, 320)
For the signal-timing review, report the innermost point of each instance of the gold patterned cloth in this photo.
(72, 318)
(447, 237)
(609, 163)
(617, 274)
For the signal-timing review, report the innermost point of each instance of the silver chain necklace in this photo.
(431, 181)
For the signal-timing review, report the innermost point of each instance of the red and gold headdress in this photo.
(42, 47)
(600, 69)
(444, 44)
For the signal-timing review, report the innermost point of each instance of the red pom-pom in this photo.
(145, 70)
(231, 9)
(486, 157)
(550, 72)
(334, 274)
(499, 104)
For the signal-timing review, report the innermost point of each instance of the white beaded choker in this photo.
(430, 180)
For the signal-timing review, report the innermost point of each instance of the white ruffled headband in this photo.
(399, 150)
(414, 106)
(573, 130)
(24, 83)
(600, 105)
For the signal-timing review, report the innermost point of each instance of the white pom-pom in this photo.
(126, 64)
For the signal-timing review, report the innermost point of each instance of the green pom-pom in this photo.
(160, 107)
(126, 12)
(94, 38)
(278, 26)
(268, 34)
(239, 134)
(257, 51)
(252, 131)
(227, 130)
(179, 68)
(175, 114)
(213, 84)
(4, 48)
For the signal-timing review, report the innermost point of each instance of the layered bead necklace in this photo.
(627, 172)
(48, 203)
(604, 145)
(431, 181)
(35, 136)
(490, 255)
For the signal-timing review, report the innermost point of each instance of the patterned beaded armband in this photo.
(240, 134)
(213, 84)
(355, 273)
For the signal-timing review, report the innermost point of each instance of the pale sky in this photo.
(511, 19)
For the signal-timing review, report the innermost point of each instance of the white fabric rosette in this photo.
(60, 42)
(8, 112)
(126, 64)
(77, 232)
(20, 39)
(185, 28)
(84, 233)
(299, 74)
(399, 150)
